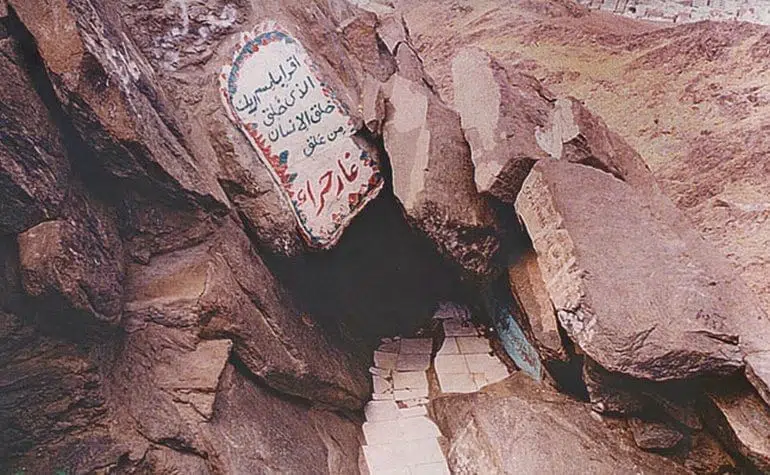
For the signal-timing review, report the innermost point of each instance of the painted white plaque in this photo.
(302, 133)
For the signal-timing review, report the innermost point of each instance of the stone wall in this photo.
(685, 11)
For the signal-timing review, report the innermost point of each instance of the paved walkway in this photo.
(400, 437)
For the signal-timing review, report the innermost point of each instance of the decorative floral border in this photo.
(278, 163)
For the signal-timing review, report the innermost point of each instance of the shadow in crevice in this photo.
(382, 279)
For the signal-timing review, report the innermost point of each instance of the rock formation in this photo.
(163, 308)
(500, 431)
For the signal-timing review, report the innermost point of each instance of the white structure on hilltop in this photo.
(687, 11)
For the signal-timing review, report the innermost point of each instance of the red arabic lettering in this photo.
(352, 175)
(325, 183)
(340, 186)
(310, 192)
(325, 189)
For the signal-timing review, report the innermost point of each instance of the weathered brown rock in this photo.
(610, 394)
(699, 137)
(758, 373)
(286, 437)
(34, 171)
(223, 288)
(511, 121)
(518, 426)
(653, 435)
(433, 175)
(601, 148)
(166, 380)
(615, 394)
(150, 227)
(502, 113)
(528, 288)
(48, 389)
(192, 44)
(675, 319)
(75, 263)
(653, 84)
(742, 421)
(392, 31)
(706, 456)
(110, 92)
(253, 191)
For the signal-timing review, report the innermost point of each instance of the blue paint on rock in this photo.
(500, 306)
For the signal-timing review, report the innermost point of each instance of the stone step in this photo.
(399, 430)
(396, 457)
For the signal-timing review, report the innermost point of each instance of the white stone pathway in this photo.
(465, 362)
(400, 437)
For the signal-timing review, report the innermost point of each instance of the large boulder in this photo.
(161, 62)
(519, 426)
(110, 93)
(223, 289)
(655, 87)
(70, 251)
(697, 136)
(511, 121)
(654, 435)
(34, 171)
(164, 385)
(433, 175)
(653, 310)
(503, 114)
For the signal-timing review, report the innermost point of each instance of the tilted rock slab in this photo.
(138, 85)
(33, 166)
(71, 254)
(742, 421)
(599, 147)
(223, 290)
(46, 383)
(111, 94)
(527, 286)
(433, 175)
(624, 281)
(285, 437)
(502, 114)
(520, 426)
(511, 121)
(75, 264)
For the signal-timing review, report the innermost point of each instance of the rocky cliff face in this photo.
(164, 307)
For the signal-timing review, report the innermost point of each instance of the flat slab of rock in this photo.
(758, 373)
(433, 175)
(519, 426)
(33, 166)
(285, 437)
(74, 265)
(622, 279)
(527, 285)
(501, 113)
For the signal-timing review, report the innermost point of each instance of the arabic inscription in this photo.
(303, 134)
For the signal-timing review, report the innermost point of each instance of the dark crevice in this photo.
(382, 279)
